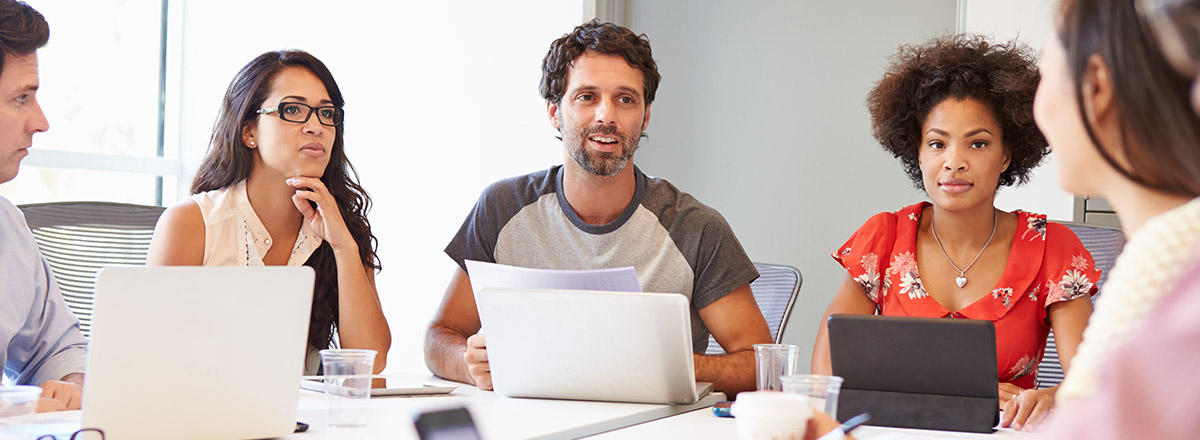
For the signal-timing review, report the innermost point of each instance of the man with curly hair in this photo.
(958, 113)
(597, 210)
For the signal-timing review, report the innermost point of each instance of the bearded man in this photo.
(598, 210)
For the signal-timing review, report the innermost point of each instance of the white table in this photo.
(496, 417)
(702, 424)
(501, 418)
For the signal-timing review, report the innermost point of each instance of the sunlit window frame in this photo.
(168, 91)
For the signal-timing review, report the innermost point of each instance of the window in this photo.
(101, 86)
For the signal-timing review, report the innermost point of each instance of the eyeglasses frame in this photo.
(311, 110)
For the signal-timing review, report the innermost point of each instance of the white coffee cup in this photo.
(770, 415)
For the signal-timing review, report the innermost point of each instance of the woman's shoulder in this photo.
(178, 236)
(889, 219)
(882, 230)
(186, 214)
(1034, 224)
(220, 197)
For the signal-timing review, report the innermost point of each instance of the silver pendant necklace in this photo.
(961, 280)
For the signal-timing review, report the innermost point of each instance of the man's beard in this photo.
(600, 163)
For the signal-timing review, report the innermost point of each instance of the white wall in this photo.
(761, 115)
(441, 100)
(1031, 22)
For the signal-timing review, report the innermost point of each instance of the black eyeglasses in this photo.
(82, 434)
(299, 113)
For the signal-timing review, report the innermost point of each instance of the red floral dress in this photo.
(1047, 264)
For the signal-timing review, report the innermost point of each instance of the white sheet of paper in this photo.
(621, 279)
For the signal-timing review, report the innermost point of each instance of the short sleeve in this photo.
(476, 238)
(866, 251)
(723, 265)
(1070, 268)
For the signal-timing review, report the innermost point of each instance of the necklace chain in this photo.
(962, 273)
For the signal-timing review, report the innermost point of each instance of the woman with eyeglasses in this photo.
(277, 189)
(957, 112)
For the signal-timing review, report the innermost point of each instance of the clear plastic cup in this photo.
(820, 391)
(772, 361)
(17, 406)
(347, 385)
(770, 415)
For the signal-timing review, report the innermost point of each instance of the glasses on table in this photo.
(82, 434)
(298, 112)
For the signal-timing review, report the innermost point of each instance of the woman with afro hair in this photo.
(958, 113)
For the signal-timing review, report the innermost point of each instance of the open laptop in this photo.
(590, 345)
(928, 373)
(197, 352)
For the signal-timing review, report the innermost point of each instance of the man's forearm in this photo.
(75, 378)
(730, 374)
(444, 350)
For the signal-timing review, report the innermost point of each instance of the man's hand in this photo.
(60, 396)
(477, 362)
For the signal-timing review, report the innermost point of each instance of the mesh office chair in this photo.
(775, 291)
(1104, 243)
(80, 238)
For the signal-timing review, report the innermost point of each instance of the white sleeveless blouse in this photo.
(234, 236)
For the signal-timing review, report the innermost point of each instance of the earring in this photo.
(251, 143)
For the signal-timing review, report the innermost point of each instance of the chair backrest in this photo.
(80, 238)
(1104, 243)
(775, 291)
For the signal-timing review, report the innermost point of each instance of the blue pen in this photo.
(845, 428)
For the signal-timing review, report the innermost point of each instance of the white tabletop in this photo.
(702, 424)
(496, 417)
(500, 418)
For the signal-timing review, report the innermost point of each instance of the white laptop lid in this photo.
(197, 352)
(589, 345)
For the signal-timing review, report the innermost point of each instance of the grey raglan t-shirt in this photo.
(675, 243)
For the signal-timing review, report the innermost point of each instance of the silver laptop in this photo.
(589, 345)
(197, 352)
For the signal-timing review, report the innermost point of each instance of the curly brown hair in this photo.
(1003, 77)
(602, 38)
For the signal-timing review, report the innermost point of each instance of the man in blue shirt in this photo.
(40, 341)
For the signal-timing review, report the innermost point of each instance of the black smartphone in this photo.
(447, 424)
(722, 409)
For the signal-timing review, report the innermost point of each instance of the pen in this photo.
(845, 428)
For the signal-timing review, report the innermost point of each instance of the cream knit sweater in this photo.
(1152, 262)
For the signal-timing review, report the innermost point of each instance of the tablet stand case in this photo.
(920, 411)
(924, 373)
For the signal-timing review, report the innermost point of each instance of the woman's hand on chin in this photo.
(326, 219)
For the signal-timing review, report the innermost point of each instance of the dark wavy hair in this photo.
(602, 38)
(229, 161)
(23, 30)
(1160, 133)
(1003, 77)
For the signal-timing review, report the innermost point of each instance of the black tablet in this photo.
(928, 373)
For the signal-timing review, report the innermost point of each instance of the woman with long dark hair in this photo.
(276, 189)
(1118, 115)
